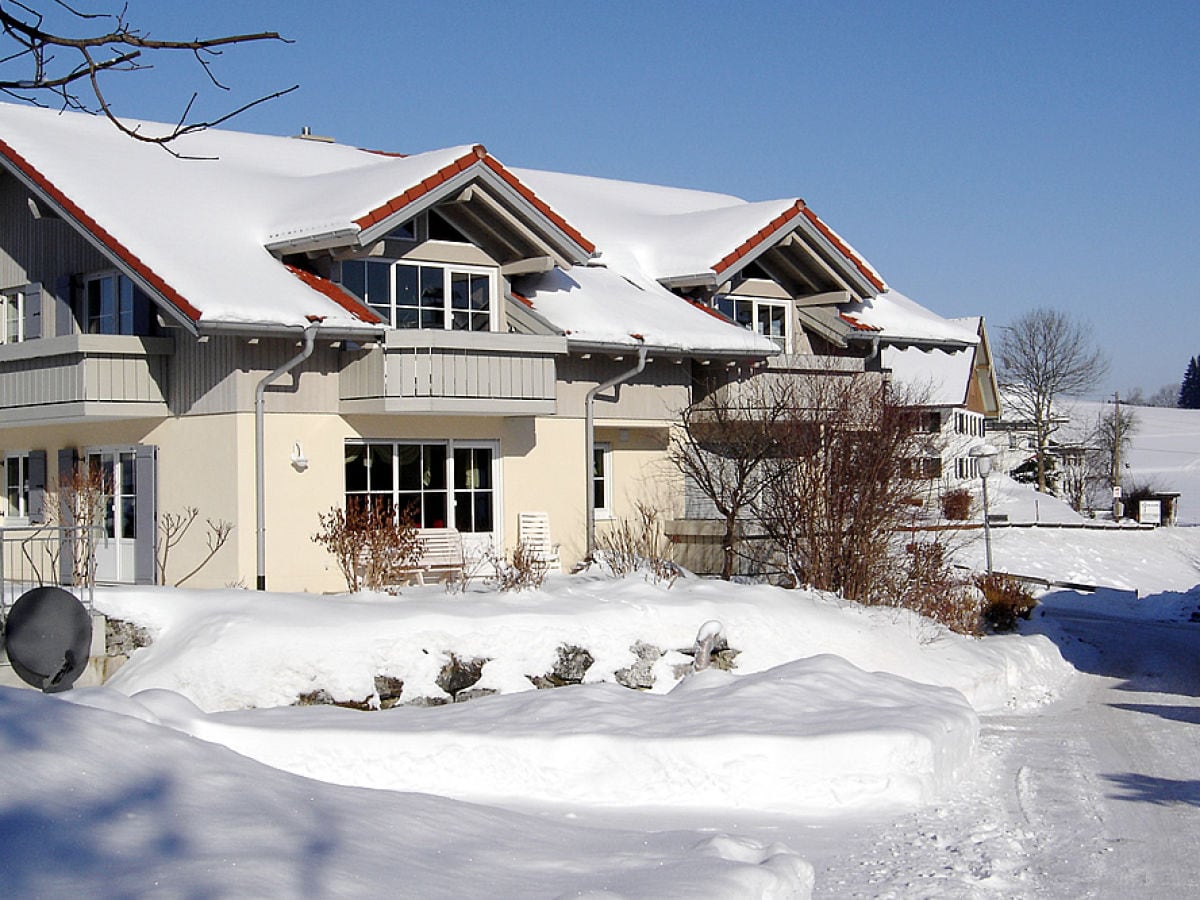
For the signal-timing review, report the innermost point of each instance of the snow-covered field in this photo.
(1164, 451)
(851, 752)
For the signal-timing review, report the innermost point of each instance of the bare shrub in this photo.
(956, 504)
(523, 569)
(723, 445)
(843, 483)
(80, 503)
(639, 545)
(172, 527)
(1006, 599)
(930, 587)
(373, 548)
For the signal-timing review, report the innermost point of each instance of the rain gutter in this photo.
(591, 442)
(310, 336)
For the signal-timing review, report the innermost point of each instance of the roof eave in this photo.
(615, 348)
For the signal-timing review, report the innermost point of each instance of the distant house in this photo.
(264, 328)
(946, 367)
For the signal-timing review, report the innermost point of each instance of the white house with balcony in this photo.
(265, 328)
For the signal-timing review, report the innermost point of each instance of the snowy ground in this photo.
(852, 752)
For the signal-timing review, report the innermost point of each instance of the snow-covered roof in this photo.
(595, 305)
(204, 228)
(650, 232)
(938, 376)
(230, 198)
(901, 319)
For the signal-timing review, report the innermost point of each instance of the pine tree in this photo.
(1189, 391)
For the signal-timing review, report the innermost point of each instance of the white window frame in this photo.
(448, 272)
(21, 513)
(9, 301)
(757, 304)
(451, 517)
(603, 449)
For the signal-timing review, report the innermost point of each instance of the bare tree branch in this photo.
(73, 81)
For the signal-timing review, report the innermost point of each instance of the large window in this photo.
(424, 295)
(16, 486)
(112, 304)
(437, 484)
(12, 317)
(767, 317)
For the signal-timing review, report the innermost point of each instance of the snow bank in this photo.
(92, 802)
(813, 736)
(237, 649)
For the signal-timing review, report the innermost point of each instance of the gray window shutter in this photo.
(33, 311)
(68, 459)
(145, 479)
(37, 486)
(63, 311)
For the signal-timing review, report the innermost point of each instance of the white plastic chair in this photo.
(533, 530)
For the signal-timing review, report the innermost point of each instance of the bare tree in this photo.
(845, 483)
(1045, 355)
(1166, 396)
(1115, 427)
(54, 54)
(725, 439)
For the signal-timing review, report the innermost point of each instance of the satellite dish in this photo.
(48, 636)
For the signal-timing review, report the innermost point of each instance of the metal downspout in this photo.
(591, 443)
(310, 336)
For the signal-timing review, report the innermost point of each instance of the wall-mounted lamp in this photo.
(299, 460)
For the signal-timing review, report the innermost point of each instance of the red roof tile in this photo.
(782, 219)
(856, 324)
(477, 154)
(337, 294)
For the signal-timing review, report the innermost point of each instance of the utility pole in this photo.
(1116, 459)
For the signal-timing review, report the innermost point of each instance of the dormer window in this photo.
(424, 295)
(767, 317)
(428, 226)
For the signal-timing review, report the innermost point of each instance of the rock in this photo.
(473, 694)
(322, 697)
(121, 638)
(388, 688)
(573, 663)
(427, 701)
(460, 674)
(640, 676)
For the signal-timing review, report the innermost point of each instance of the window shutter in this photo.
(37, 486)
(63, 313)
(145, 480)
(33, 311)
(143, 312)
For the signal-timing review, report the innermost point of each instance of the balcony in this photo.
(453, 373)
(83, 377)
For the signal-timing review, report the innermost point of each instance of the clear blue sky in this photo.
(988, 158)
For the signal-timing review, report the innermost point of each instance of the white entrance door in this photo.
(476, 499)
(118, 514)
